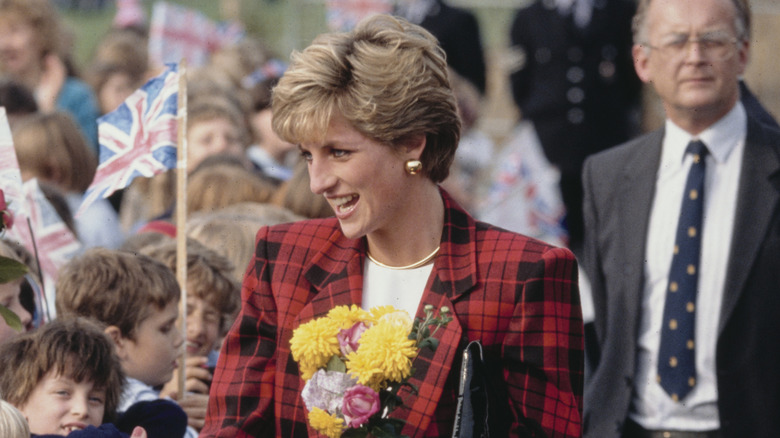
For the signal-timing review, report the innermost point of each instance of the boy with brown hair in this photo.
(213, 297)
(135, 298)
(63, 377)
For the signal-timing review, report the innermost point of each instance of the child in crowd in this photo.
(216, 124)
(120, 65)
(231, 230)
(213, 297)
(136, 299)
(35, 51)
(63, 377)
(12, 422)
(50, 147)
(222, 180)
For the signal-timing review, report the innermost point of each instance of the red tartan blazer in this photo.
(517, 295)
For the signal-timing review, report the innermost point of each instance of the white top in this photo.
(652, 408)
(402, 289)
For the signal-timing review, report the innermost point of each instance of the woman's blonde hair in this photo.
(12, 422)
(387, 77)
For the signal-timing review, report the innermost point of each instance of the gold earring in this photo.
(413, 167)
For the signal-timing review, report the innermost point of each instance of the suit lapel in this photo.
(757, 199)
(639, 175)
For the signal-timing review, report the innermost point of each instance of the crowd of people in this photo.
(354, 172)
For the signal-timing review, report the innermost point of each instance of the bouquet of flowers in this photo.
(354, 362)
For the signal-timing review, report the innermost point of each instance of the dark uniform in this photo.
(458, 33)
(577, 86)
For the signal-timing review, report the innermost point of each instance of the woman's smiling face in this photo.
(362, 179)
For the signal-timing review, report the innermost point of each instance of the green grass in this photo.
(283, 24)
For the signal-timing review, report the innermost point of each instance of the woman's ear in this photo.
(115, 334)
(414, 146)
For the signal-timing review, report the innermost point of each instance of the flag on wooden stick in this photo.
(138, 138)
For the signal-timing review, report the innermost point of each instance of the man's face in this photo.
(692, 56)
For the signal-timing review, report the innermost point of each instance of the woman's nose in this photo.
(320, 177)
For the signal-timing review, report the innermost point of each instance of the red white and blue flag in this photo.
(178, 32)
(343, 15)
(138, 138)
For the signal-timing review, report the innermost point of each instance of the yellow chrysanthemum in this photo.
(385, 354)
(313, 344)
(347, 316)
(325, 423)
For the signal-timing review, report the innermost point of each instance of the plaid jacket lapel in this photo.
(454, 275)
(337, 274)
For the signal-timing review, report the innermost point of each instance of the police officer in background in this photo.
(575, 82)
(458, 33)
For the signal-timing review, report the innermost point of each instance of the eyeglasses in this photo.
(716, 46)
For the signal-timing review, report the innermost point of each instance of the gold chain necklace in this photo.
(417, 264)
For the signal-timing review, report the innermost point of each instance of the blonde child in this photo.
(12, 422)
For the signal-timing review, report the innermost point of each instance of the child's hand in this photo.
(194, 405)
(51, 82)
(198, 378)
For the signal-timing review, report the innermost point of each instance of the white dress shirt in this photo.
(652, 407)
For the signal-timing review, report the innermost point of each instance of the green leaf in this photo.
(11, 318)
(431, 343)
(11, 269)
(336, 364)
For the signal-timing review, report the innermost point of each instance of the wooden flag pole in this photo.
(181, 215)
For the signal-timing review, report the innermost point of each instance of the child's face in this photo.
(59, 405)
(202, 327)
(118, 87)
(275, 146)
(152, 356)
(19, 51)
(211, 137)
(9, 297)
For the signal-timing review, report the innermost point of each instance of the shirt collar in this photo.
(721, 138)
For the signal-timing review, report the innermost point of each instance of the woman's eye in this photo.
(338, 153)
(306, 156)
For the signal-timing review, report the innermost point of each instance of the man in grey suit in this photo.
(682, 244)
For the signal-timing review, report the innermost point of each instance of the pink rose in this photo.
(360, 403)
(348, 338)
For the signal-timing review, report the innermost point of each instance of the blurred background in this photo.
(292, 24)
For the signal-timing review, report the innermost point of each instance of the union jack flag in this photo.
(343, 15)
(10, 176)
(179, 32)
(55, 242)
(138, 138)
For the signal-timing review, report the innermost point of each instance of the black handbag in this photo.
(472, 413)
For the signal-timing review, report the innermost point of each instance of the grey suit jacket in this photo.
(619, 187)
